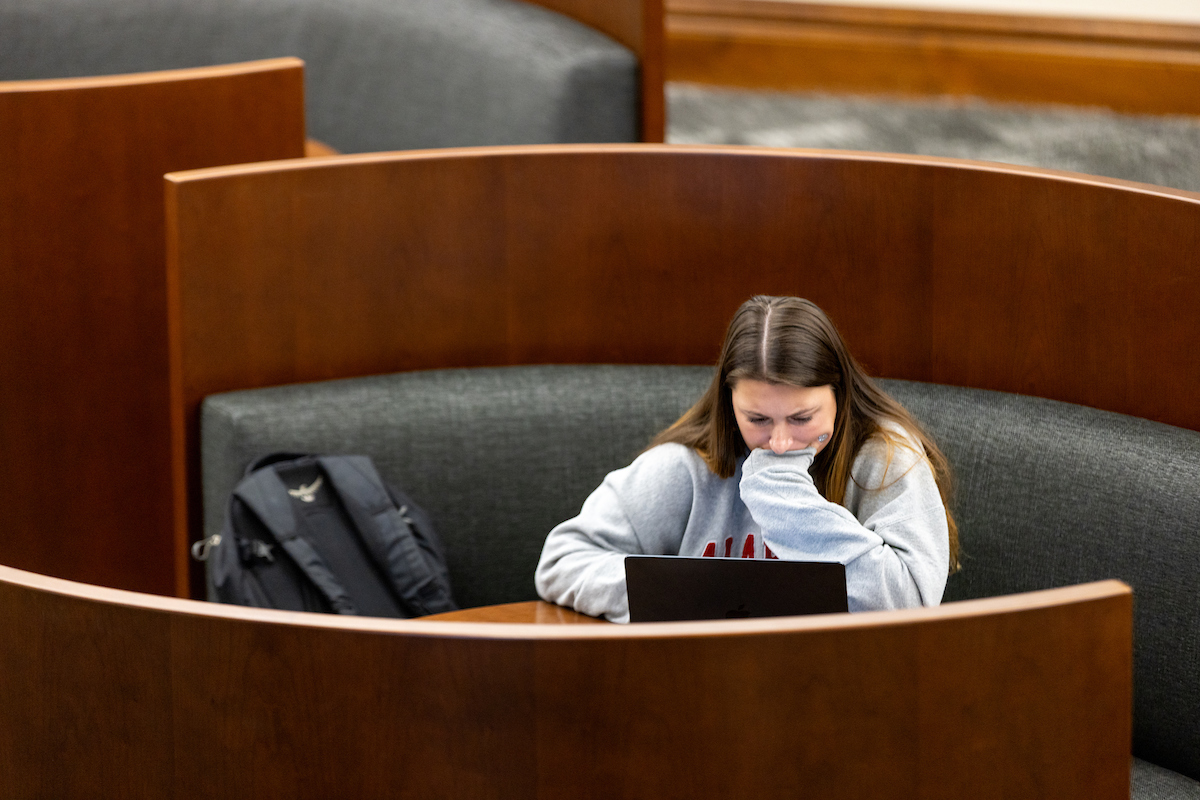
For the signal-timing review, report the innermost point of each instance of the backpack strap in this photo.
(266, 495)
(387, 534)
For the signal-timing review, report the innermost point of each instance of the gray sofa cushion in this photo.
(1048, 494)
(1151, 782)
(380, 74)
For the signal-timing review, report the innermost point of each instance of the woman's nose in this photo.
(781, 440)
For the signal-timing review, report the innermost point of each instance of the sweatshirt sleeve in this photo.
(896, 550)
(642, 508)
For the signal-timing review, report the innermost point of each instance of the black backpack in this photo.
(325, 533)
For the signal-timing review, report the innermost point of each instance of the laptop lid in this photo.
(671, 588)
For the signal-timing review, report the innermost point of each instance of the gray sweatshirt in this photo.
(891, 534)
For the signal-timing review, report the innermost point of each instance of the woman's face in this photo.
(781, 417)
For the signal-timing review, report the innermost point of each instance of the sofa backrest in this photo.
(498, 457)
(1050, 494)
(380, 74)
(1047, 494)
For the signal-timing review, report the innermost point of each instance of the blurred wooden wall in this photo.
(1137, 67)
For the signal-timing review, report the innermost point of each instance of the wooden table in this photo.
(535, 612)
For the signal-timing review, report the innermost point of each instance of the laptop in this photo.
(672, 588)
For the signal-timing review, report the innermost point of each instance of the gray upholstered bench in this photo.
(380, 74)
(1048, 494)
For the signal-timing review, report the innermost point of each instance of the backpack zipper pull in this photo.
(202, 548)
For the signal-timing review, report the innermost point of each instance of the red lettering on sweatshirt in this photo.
(710, 549)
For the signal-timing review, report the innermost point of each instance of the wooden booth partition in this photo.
(1051, 284)
(116, 694)
(637, 24)
(84, 431)
(1134, 67)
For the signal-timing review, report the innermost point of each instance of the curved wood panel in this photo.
(84, 422)
(1074, 288)
(637, 24)
(1135, 67)
(114, 694)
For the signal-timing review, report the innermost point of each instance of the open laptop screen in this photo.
(670, 588)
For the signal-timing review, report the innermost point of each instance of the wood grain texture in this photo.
(1020, 696)
(84, 414)
(1127, 66)
(1068, 287)
(314, 148)
(531, 612)
(637, 24)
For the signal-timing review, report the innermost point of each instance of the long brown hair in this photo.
(788, 340)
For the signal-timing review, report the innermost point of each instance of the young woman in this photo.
(793, 453)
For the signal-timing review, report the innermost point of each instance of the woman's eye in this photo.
(759, 420)
(801, 420)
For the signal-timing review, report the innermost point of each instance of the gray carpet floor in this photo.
(1150, 149)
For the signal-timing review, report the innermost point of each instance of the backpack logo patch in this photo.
(307, 493)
